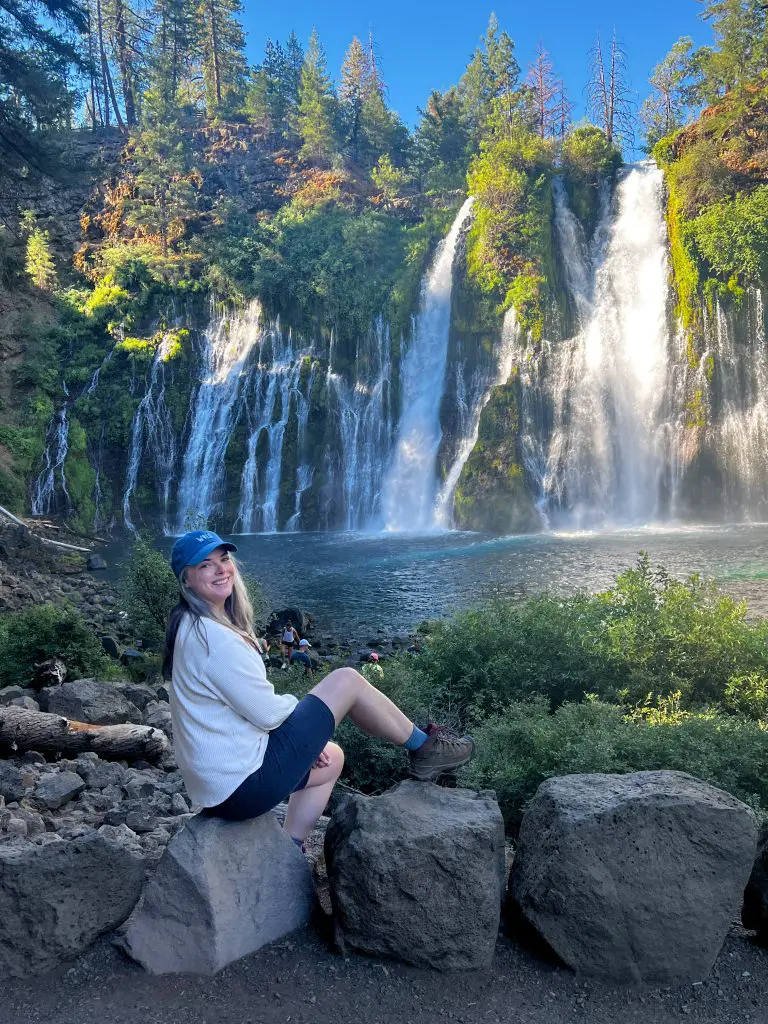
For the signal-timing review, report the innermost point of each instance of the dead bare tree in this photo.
(541, 80)
(609, 98)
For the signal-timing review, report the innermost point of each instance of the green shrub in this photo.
(517, 749)
(148, 590)
(587, 155)
(31, 636)
(648, 633)
(732, 236)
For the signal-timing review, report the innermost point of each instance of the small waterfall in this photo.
(267, 397)
(409, 490)
(152, 431)
(228, 343)
(602, 390)
(54, 457)
(365, 427)
(305, 471)
(470, 412)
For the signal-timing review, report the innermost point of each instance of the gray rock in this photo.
(124, 836)
(111, 647)
(221, 890)
(95, 562)
(9, 693)
(158, 714)
(418, 874)
(56, 788)
(57, 898)
(11, 782)
(92, 701)
(141, 821)
(100, 774)
(35, 823)
(141, 785)
(17, 828)
(138, 694)
(25, 702)
(754, 913)
(633, 877)
(178, 804)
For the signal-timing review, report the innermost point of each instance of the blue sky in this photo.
(425, 44)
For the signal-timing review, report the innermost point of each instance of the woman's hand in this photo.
(323, 760)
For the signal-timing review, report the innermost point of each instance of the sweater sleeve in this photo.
(237, 675)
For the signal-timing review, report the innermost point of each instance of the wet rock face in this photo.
(754, 913)
(418, 874)
(634, 878)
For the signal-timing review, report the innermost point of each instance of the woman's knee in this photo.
(336, 754)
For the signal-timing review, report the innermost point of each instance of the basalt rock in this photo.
(633, 878)
(418, 874)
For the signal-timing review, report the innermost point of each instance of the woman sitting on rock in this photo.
(241, 747)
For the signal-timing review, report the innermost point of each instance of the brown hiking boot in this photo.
(443, 752)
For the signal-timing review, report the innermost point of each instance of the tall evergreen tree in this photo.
(489, 86)
(355, 87)
(38, 47)
(665, 109)
(442, 141)
(316, 112)
(221, 50)
(740, 28)
(171, 54)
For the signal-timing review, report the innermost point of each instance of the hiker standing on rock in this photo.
(289, 639)
(241, 747)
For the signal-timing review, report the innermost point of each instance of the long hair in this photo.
(238, 616)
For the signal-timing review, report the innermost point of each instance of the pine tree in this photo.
(442, 141)
(316, 113)
(489, 86)
(39, 263)
(171, 56)
(355, 88)
(221, 49)
(38, 48)
(546, 93)
(665, 109)
(740, 28)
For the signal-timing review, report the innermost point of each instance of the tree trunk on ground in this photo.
(21, 730)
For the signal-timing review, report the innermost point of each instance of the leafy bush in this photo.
(648, 633)
(587, 155)
(525, 744)
(149, 590)
(31, 636)
(732, 236)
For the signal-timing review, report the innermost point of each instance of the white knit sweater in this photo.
(223, 709)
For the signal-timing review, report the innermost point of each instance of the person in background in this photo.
(372, 669)
(288, 640)
(301, 657)
(241, 747)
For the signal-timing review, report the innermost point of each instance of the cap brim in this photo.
(203, 553)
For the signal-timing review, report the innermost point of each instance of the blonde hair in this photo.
(237, 616)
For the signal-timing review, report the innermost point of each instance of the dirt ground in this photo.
(300, 981)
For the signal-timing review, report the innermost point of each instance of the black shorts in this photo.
(291, 751)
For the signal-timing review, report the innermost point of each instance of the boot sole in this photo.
(425, 774)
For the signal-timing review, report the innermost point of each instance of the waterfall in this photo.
(305, 471)
(365, 427)
(152, 431)
(594, 402)
(228, 341)
(54, 457)
(470, 412)
(271, 383)
(410, 485)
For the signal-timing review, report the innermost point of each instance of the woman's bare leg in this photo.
(306, 806)
(347, 693)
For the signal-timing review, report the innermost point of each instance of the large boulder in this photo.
(633, 877)
(302, 621)
(754, 913)
(56, 899)
(418, 874)
(92, 701)
(221, 890)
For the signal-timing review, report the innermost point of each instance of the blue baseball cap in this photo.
(191, 548)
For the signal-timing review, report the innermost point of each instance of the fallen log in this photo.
(21, 730)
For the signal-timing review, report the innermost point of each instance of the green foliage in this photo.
(148, 590)
(732, 236)
(316, 113)
(39, 263)
(222, 54)
(524, 744)
(748, 695)
(31, 636)
(588, 156)
(665, 110)
(649, 633)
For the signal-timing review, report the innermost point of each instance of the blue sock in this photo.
(417, 739)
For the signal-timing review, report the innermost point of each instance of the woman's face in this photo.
(213, 578)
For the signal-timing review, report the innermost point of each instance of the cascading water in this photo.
(305, 471)
(365, 424)
(54, 457)
(602, 390)
(410, 485)
(227, 344)
(152, 431)
(470, 412)
(272, 381)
